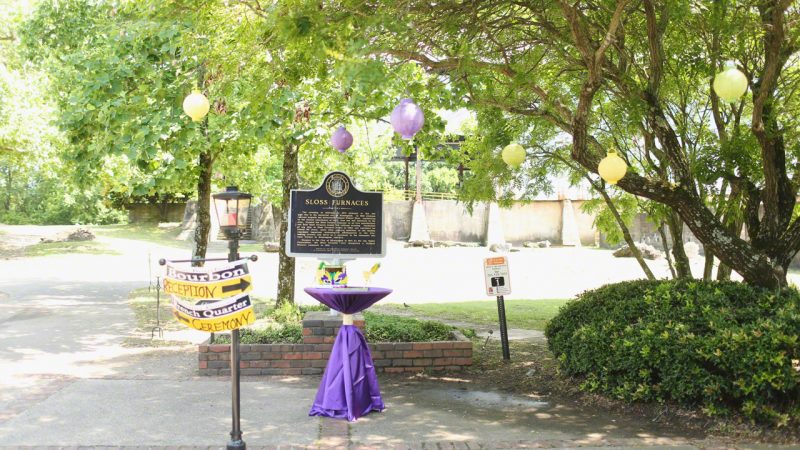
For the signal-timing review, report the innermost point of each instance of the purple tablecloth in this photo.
(349, 387)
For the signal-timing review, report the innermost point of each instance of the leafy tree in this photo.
(32, 185)
(645, 65)
(121, 73)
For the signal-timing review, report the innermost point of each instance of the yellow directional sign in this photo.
(230, 322)
(225, 285)
(208, 274)
(228, 314)
(208, 290)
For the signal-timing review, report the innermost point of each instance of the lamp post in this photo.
(232, 208)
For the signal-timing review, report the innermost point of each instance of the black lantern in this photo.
(232, 209)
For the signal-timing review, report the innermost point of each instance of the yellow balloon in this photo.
(612, 168)
(731, 83)
(513, 155)
(195, 105)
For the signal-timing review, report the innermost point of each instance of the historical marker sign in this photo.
(336, 221)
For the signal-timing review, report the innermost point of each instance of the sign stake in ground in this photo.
(498, 283)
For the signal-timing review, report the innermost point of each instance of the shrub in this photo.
(291, 313)
(282, 334)
(286, 313)
(308, 308)
(724, 346)
(387, 328)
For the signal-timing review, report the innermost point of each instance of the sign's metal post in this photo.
(498, 283)
(235, 310)
(236, 442)
(158, 312)
(501, 312)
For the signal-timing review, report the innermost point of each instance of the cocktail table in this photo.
(349, 387)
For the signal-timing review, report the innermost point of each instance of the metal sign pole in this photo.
(158, 312)
(501, 312)
(236, 442)
(242, 285)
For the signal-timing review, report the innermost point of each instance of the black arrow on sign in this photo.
(240, 286)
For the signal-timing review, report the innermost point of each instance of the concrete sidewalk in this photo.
(196, 412)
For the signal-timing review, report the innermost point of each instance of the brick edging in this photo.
(311, 357)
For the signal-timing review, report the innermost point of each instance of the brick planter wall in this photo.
(310, 357)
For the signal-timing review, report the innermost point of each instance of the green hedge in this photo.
(290, 333)
(388, 328)
(723, 346)
(288, 329)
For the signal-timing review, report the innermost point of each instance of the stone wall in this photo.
(266, 222)
(397, 219)
(449, 220)
(310, 357)
(155, 212)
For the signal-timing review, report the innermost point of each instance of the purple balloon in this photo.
(407, 118)
(341, 139)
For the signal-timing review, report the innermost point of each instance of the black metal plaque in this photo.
(336, 219)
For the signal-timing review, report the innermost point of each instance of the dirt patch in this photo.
(78, 235)
(533, 372)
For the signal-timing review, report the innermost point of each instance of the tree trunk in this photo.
(286, 264)
(625, 231)
(8, 189)
(708, 266)
(203, 207)
(683, 268)
(206, 164)
(724, 271)
(665, 244)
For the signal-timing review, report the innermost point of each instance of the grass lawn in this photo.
(525, 314)
(166, 236)
(148, 233)
(60, 248)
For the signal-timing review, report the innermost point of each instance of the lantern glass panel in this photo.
(226, 212)
(243, 209)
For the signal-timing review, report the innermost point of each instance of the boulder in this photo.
(648, 252)
(271, 247)
(538, 244)
(500, 248)
(425, 244)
